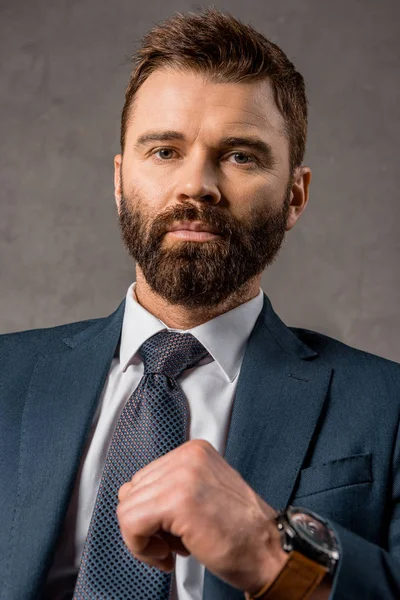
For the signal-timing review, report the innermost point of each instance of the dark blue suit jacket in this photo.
(315, 423)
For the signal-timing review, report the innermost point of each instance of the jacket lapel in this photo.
(62, 398)
(281, 391)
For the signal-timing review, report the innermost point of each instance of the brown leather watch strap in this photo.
(297, 581)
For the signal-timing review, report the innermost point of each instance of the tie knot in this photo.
(171, 353)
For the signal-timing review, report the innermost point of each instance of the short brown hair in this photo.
(228, 51)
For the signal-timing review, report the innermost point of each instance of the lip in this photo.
(193, 226)
(194, 236)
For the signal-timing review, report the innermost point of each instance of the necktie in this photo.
(153, 422)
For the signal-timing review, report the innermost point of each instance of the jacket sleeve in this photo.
(367, 571)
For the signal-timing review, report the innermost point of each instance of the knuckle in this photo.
(123, 491)
(199, 449)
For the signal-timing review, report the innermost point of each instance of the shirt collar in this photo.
(225, 337)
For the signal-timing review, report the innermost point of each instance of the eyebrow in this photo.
(259, 146)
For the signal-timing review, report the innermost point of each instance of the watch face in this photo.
(312, 529)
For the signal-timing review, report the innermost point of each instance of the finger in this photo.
(155, 552)
(173, 455)
(153, 467)
(169, 469)
(156, 547)
(124, 490)
(162, 481)
(139, 543)
(175, 543)
(149, 496)
(139, 522)
(145, 477)
(167, 565)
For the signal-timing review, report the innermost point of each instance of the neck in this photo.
(178, 316)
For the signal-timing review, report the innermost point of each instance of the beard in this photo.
(201, 274)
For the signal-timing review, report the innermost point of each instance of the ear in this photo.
(299, 195)
(117, 179)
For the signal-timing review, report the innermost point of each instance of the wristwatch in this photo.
(313, 553)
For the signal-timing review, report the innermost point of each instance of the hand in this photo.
(190, 501)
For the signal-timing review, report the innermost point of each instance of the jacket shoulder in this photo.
(46, 339)
(339, 354)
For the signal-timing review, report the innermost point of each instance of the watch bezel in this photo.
(292, 538)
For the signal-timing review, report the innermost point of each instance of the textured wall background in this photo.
(63, 74)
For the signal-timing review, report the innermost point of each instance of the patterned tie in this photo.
(153, 422)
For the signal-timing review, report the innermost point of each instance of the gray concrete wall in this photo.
(63, 74)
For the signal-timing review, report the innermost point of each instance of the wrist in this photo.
(272, 563)
(311, 551)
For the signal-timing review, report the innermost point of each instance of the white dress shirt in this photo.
(210, 389)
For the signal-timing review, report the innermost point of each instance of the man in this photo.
(152, 454)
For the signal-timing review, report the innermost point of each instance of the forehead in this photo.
(192, 102)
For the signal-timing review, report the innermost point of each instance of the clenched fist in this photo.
(190, 501)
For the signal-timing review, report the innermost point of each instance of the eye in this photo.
(164, 151)
(249, 159)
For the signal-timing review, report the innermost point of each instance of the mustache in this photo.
(206, 214)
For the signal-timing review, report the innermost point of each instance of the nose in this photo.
(198, 181)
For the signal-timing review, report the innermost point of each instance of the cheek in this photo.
(255, 198)
(144, 195)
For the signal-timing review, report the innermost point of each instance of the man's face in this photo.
(193, 171)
